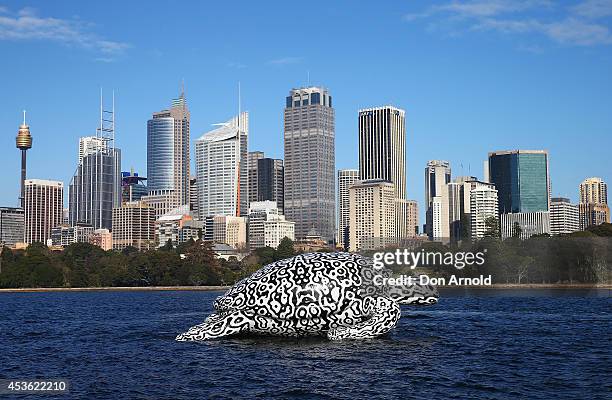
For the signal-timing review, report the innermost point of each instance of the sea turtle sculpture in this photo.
(332, 294)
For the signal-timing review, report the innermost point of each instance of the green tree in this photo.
(492, 227)
(285, 249)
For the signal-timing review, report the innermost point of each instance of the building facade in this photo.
(226, 229)
(271, 182)
(44, 202)
(346, 178)
(413, 218)
(309, 137)
(168, 152)
(382, 154)
(593, 207)
(437, 176)
(64, 235)
(564, 216)
(521, 178)
(95, 188)
(372, 215)
(221, 167)
(483, 208)
(530, 223)
(266, 226)
(253, 157)
(11, 226)
(133, 226)
(102, 238)
(133, 187)
(89, 145)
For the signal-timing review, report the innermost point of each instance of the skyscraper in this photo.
(382, 154)
(522, 180)
(594, 209)
(309, 126)
(346, 178)
(253, 167)
(271, 182)
(24, 143)
(44, 201)
(372, 215)
(594, 190)
(168, 152)
(437, 176)
(221, 168)
(95, 187)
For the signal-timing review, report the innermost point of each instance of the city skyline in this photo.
(467, 116)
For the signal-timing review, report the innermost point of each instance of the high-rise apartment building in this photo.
(346, 178)
(309, 126)
(133, 226)
(221, 167)
(437, 176)
(594, 190)
(372, 215)
(593, 207)
(483, 208)
(564, 216)
(469, 183)
(168, 152)
(266, 226)
(44, 202)
(382, 154)
(11, 226)
(522, 180)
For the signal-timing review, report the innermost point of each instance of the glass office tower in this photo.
(521, 179)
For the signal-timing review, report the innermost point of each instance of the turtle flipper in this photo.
(385, 315)
(216, 326)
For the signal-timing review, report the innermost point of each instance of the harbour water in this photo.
(476, 344)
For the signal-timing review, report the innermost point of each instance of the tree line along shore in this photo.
(581, 259)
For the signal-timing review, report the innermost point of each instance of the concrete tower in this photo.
(24, 143)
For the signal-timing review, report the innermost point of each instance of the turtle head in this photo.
(415, 294)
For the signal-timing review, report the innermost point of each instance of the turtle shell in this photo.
(307, 286)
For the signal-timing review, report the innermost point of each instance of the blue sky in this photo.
(472, 76)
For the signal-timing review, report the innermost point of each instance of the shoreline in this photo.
(220, 288)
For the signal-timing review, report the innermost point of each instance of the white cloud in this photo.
(568, 31)
(573, 26)
(594, 8)
(285, 60)
(28, 25)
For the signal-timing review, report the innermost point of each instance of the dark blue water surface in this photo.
(479, 344)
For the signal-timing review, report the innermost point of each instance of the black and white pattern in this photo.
(332, 294)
